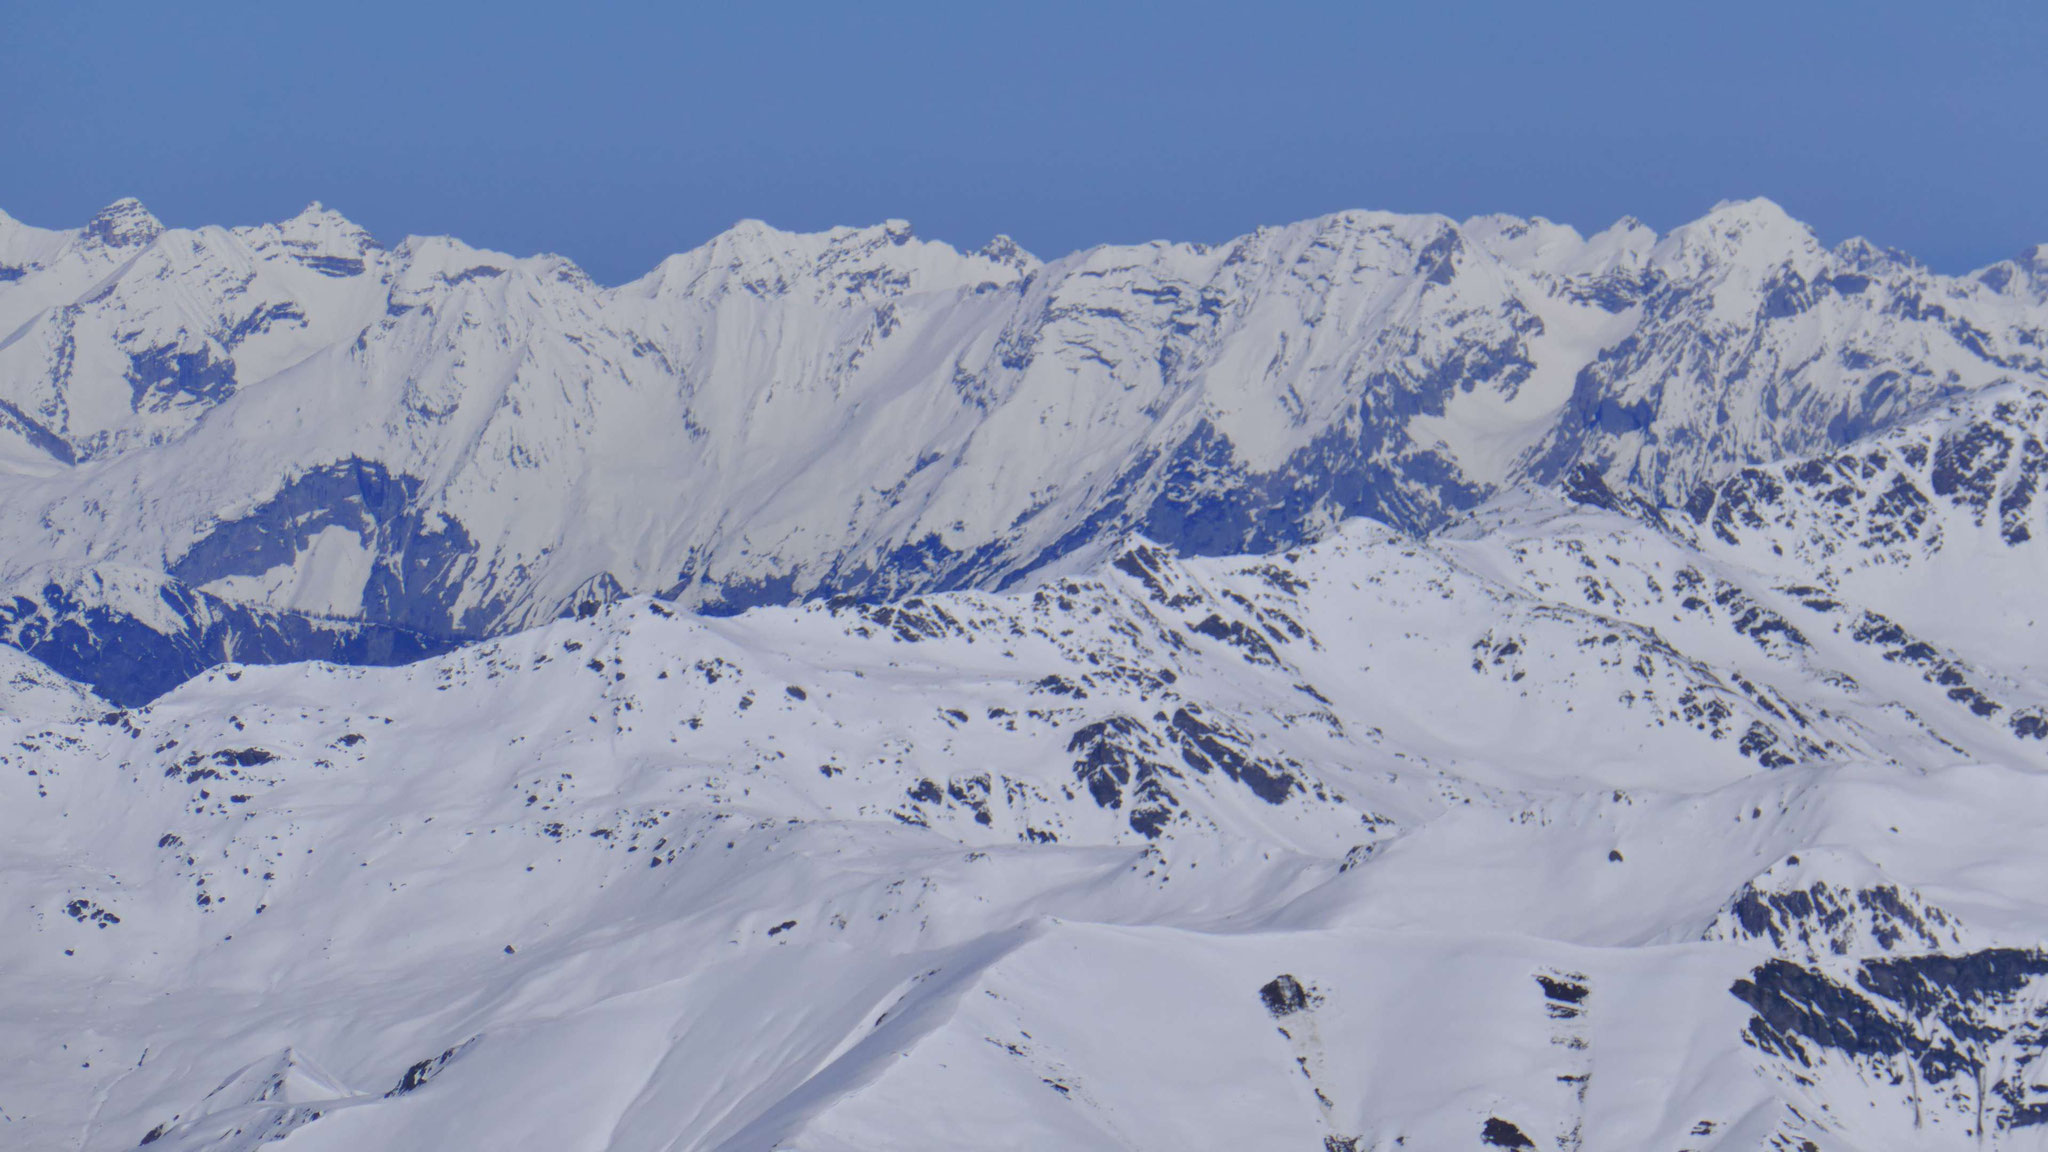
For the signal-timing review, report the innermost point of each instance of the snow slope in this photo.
(1552, 827)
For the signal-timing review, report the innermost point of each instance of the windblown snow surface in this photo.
(1254, 719)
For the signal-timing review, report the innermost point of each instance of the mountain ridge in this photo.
(453, 443)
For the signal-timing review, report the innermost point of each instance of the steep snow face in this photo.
(122, 334)
(298, 425)
(1550, 830)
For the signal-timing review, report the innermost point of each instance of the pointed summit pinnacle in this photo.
(123, 224)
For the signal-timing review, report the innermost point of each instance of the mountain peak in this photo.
(123, 224)
(1006, 251)
(1758, 217)
(1750, 207)
(1755, 233)
(318, 214)
(843, 262)
(2024, 275)
(1864, 255)
(321, 226)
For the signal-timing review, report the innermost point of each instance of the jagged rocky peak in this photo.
(1860, 254)
(123, 224)
(318, 238)
(1006, 251)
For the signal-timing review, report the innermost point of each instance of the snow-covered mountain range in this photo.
(288, 441)
(1381, 683)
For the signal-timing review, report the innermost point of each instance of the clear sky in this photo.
(615, 133)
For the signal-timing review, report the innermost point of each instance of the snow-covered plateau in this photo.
(1380, 683)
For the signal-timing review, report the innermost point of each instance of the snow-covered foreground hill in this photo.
(1582, 824)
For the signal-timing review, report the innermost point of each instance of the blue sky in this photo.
(615, 133)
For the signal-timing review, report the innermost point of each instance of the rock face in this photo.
(304, 431)
(1953, 1040)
